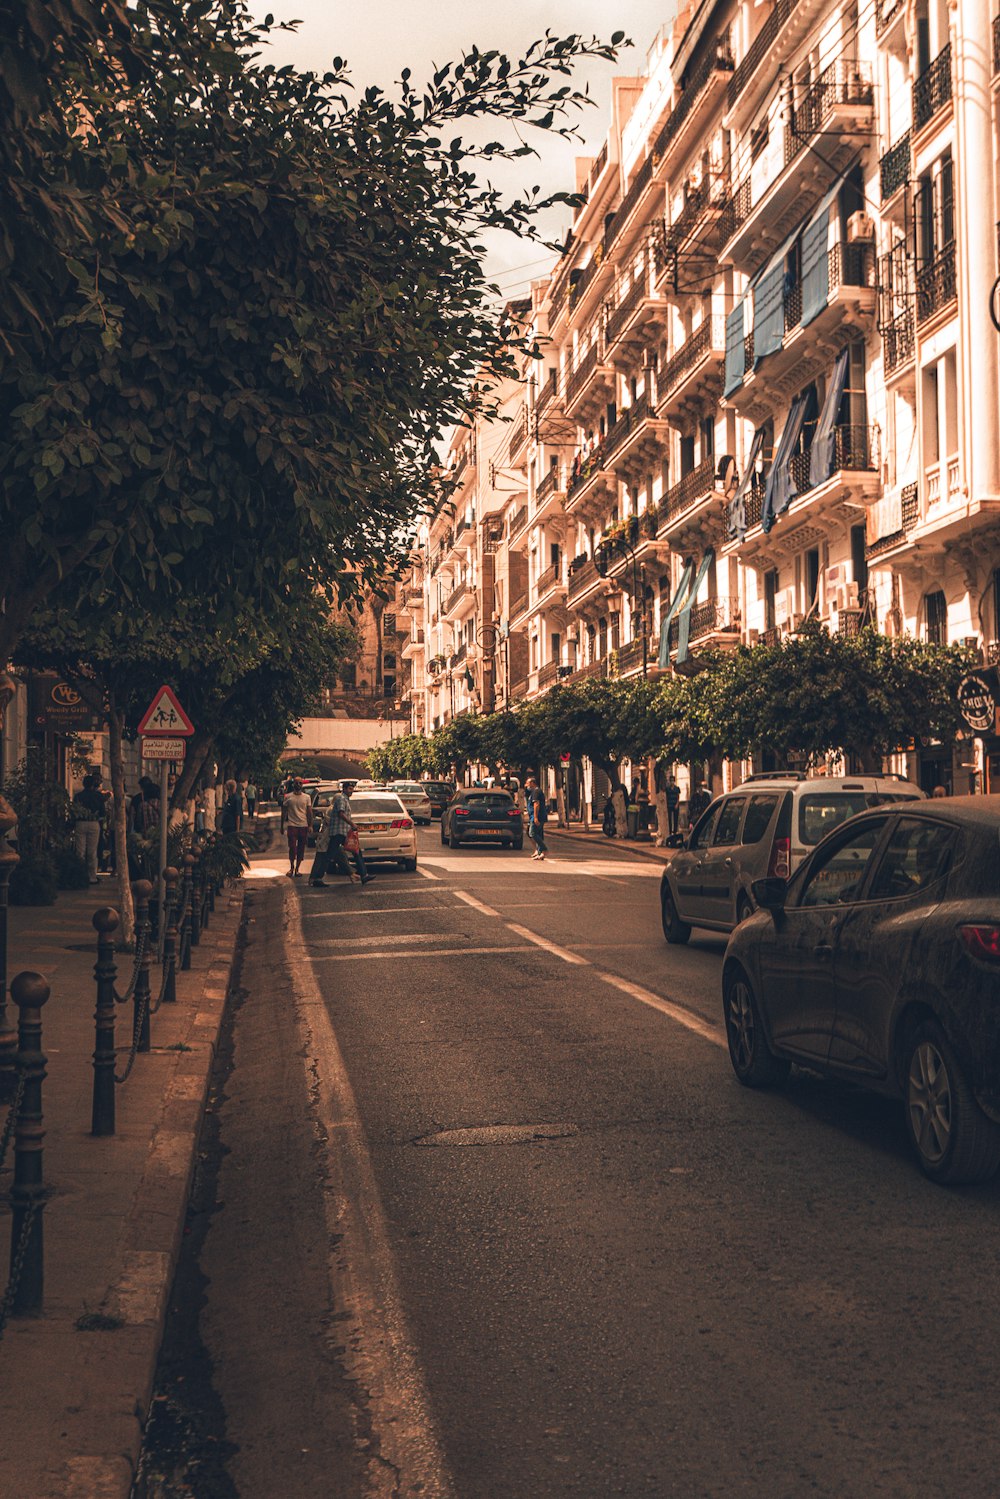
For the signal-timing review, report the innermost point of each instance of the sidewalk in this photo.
(75, 1384)
(595, 837)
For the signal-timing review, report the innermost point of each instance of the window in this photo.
(702, 835)
(770, 594)
(758, 818)
(936, 618)
(859, 562)
(839, 873)
(728, 827)
(388, 686)
(349, 676)
(759, 139)
(389, 660)
(821, 812)
(917, 854)
(389, 624)
(811, 571)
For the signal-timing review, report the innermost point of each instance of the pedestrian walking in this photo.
(673, 806)
(296, 815)
(88, 810)
(337, 828)
(537, 815)
(251, 796)
(232, 809)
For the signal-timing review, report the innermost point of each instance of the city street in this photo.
(490, 1216)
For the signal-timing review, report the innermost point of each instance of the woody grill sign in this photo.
(978, 697)
(55, 705)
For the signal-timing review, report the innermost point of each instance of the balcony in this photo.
(932, 90)
(628, 658)
(518, 436)
(854, 480)
(548, 673)
(685, 252)
(519, 607)
(828, 126)
(692, 508)
(639, 314)
(637, 440)
(517, 525)
(886, 12)
(628, 544)
(597, 668)
(942, 484)
(808, 350)
(549, 494)
(696, 104)
(591, 483)
(638, 190)
(715, 622)
(413, 646)
(582, 282)
(548, 583)
(898, 343)
(780, 36)
(457, 657)
(936, 288)
(899, 536)
(519, 689)
(460, 594)
(584, 580)
(592, 383)
(894, 168)
(694, 372)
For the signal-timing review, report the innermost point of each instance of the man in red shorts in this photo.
(296, 813)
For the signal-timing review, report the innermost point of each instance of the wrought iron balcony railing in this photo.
(626, 424)
(885, 12)
(711, 335)
(637, 293)
(519, 605)
(695, 485)
(548, 485)
(583, 371)
(759, 49)
(932, 90)
(936, 285)
(548, 579)
(518, 521)
(894, 167)
(582, 577)
(841, 83)
(719, 61)
(720, 616)
(898, 341)
(548, 673)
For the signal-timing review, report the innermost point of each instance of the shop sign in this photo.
(56, 704)
(978, 699)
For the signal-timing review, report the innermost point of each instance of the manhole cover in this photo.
(499, 1134)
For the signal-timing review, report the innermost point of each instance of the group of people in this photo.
(337, 842)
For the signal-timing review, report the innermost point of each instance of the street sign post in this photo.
(164, 726)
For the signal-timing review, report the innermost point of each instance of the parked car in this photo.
(440, 793)
(385, 828)
(415, 799)
(766, 827)
(480, 816)
(880, 961)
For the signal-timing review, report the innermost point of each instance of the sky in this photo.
(378, 38)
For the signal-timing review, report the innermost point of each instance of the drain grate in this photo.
(499, 1134)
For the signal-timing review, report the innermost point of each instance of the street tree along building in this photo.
(768, 390)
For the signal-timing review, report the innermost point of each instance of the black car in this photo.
(879, 961)
(440, 794)
(480, 816)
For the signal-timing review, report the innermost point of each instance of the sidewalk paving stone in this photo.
(73, 1402)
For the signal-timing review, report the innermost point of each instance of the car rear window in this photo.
(438, 786)
(758, 818)
(410, 786)
(820, 811)
(377, 804)
(728, 824)
(490, 799)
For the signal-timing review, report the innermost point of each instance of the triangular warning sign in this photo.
(165, 715)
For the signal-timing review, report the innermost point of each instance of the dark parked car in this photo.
(479, 816)
(440, 793)
(879, 961)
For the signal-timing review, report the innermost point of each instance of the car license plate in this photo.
(376, 827)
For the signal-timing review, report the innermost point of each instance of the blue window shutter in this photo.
(738, 504)
(778, 493)
(734, 350)
(816, 259)
(769, 312)
(821, 452)
(678, 599)
(684, 617)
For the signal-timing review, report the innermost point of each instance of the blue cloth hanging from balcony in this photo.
(663, 660)
(816, 258)
(768, 288)
(821, 453)
(684, 617)
(734, 350)
(738, 503)
(780, 488)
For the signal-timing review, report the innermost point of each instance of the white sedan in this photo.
(415, 799)
(385, 828)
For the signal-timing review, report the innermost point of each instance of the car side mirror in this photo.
(770, 893)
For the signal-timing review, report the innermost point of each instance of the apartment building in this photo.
(769, 384)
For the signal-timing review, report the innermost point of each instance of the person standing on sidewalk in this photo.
(536, 817)
(88, 809)
(673, 805)
(340, 823)
(251, 795)
(231, 809)
(296, 814)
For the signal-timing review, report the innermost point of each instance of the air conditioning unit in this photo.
(784, 605)
(860, 227)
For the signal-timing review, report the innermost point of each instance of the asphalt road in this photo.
(495, 1220)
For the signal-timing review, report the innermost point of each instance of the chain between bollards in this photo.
(187, 905)
(142, 890)
(105, 922)
(168, 978)
(25, 1289)
(197, 893)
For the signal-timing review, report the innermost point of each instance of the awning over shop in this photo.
(738, 504)
(821, 452)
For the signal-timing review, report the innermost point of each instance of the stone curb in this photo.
(113, 1372)
(612, 845)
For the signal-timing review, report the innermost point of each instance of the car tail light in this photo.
(780, 863)
(402, 822)
(982, 941)
(461, 812)
(514, 812)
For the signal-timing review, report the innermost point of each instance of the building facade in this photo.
(769, 385)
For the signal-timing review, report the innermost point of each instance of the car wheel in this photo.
(409, 865)
(443, 839)
(518, 844)
(453, 841)
(753, 1061)
(953, 1139)
(675, 930)
(744, 908)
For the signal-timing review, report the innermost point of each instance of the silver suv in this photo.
(763, 828)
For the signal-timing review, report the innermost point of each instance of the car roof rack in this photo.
(776, 775)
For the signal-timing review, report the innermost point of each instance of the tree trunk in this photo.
(116, 725)
(198, 751)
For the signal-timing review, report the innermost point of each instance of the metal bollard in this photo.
(141, 892)
(102, 1118)
(29, 991)
(170, 880)
(196, 895)
(187, 902)
(8, 1036)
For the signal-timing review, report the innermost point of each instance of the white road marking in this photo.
(552, 947)
(434, 952)
(683, 1017)
(477, 905)
(383, 937)
(379, 1355)
(338, 913)
(470, 864)
(426, 873)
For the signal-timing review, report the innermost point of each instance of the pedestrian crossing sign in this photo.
(165, 716)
